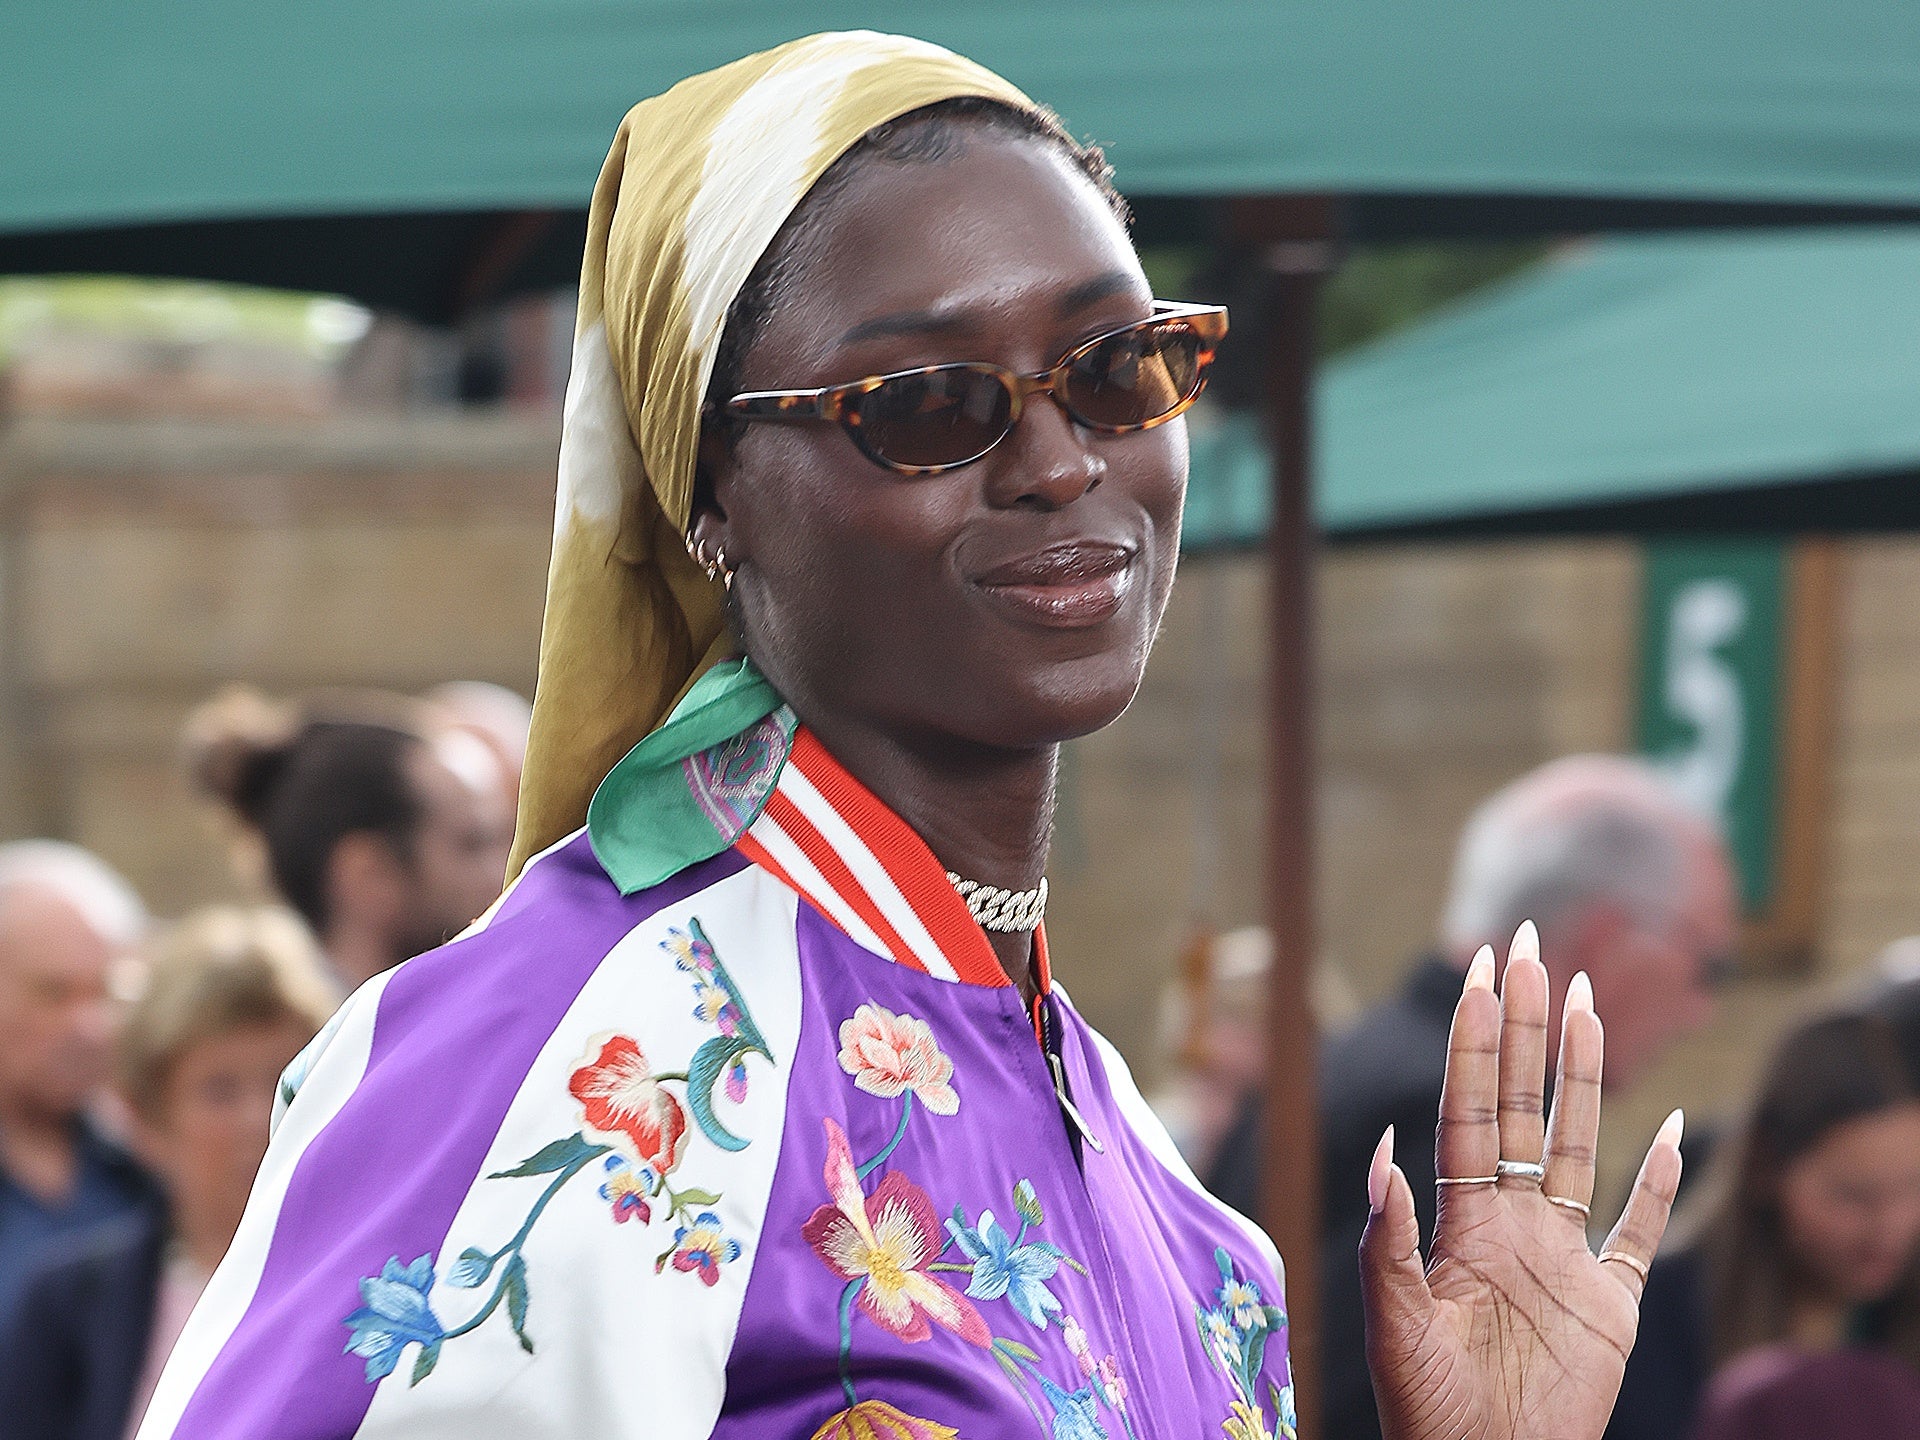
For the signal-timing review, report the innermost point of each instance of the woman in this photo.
(232, 997)
(1810, 1234)
(751, 1110)
(382, 824)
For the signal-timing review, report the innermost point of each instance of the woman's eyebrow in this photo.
(933, 322)
(1091, 292)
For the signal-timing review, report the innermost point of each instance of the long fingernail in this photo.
(1580, 993)
(1379, 1172)
(1672, 1128)
(1526, 943)
(1480, 972)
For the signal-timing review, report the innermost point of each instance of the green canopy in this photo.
(1631, 372)
(118, 111)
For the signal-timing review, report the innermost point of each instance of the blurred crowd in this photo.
(139, 1066)
(1787, 1293)
(139, 1063)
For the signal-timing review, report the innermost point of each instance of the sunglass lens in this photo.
(1136, 377)
(944, 416)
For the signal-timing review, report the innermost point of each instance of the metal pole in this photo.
(1290, 238)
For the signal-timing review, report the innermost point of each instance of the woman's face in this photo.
(1850, 1206)
(1010, 603)
(205, 1135)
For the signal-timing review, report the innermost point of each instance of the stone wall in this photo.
(143, 563)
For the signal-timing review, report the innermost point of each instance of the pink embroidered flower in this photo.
(887, 1239)
(1113, 1385)
(877, 1420)
(1077, 1346)
(621, 1099)
(887, 1054)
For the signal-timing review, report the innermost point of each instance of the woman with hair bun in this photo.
(386, 830)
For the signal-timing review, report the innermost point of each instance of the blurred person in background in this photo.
(1808, 1233)
(1625, 883)
(69, 926)
(385, 828)
(232, 997)
(499, 718)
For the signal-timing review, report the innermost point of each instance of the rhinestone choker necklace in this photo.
(1004, 910)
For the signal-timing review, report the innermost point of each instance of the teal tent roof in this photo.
(122, 111)
(1631, 371)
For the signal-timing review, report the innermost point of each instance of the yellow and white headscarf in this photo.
(696, 186)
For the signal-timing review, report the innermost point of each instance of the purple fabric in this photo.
(1147, 1241)
(455, 1034)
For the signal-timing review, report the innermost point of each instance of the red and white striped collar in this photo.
(827, 836)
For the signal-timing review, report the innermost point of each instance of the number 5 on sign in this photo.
(1735, 637)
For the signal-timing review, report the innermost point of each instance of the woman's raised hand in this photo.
(1513, 1329)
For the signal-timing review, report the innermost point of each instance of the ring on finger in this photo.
(1529, 1170)
(1467, 1180)
(1584, 1211)
(1632, 1262)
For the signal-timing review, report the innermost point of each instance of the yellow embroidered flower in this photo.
(877, 1420)
(1247, 1422)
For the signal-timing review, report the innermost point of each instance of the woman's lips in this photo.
(1064, 586)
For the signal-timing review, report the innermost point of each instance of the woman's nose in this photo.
(1049, 462)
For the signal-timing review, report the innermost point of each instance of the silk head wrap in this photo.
(696, 186)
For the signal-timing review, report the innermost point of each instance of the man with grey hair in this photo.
(67, 921)
(1626, 884)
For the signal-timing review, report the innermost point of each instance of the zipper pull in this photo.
(1066, 1105)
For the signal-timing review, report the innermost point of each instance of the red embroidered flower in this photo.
(620, 1098)
(887, 1239)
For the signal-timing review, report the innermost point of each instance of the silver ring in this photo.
(1467, 1180)
(1585, 1211)
(1632, 1262)
(1521, 1170)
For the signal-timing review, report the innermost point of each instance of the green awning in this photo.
(122, 111)
(1643, 371)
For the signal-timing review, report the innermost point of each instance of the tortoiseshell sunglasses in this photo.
(940, 417)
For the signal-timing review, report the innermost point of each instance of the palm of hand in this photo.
(1515, 1331)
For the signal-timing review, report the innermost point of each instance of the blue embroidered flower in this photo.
(1001, 1267)
(1076, 1414)
(692, 953)
(394, 1315)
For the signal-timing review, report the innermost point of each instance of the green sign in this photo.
(1712, 653)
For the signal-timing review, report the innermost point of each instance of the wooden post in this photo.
(1290, 241)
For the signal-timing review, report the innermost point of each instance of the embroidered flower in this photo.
(713, 1005)
(1222, 1338)
(701, 1249)
(1001, 1267)
(886, 1240)
(1077, 1344)
(1112, 1384)
(394, 1314)
(1286, 1420)
(1075, 1415)
(887, 1054)
(691, 953)
(627, 1189)
(620, 1099)
(877, 1420)
(737, 1081)
(1240, 1299)
(1246, 1422)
